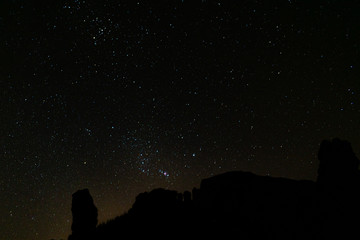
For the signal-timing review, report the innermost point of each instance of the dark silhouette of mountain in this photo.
(241, 205)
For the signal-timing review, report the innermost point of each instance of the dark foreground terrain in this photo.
(241, 205)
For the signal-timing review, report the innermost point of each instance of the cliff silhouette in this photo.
(241, 205)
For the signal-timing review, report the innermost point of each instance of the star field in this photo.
(125, 96)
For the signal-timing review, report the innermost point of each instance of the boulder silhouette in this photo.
(338, 190)
(338, 165)
(84, 214)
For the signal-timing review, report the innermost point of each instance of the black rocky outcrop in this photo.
(243, 205)
(84, 215)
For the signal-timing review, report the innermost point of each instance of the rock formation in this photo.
(84, 215)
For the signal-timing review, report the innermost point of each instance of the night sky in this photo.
(125, 96)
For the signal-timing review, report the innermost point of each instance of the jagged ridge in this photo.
(245, 205)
